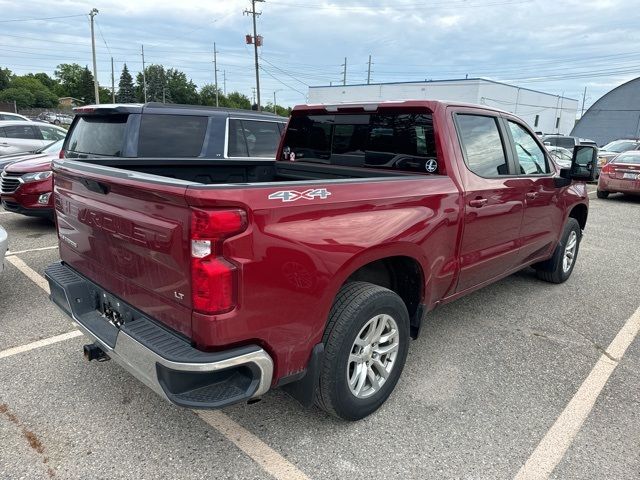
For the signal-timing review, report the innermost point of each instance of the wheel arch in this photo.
(402, 270)
(580, 212)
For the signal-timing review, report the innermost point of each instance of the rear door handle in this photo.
(478, 202)
(531, 195)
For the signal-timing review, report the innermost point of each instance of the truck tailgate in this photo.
(127, 232)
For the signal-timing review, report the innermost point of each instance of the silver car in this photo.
(19, 136)
(3, 247)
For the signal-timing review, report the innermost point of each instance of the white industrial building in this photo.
(544, 112)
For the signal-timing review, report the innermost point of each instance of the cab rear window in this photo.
(402, 141)
(97, 135)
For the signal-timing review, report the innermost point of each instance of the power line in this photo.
(41, 18)
(280, 81)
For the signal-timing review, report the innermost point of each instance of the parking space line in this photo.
(40, 343)
(270, 460)
(34, 276)
(558, 439)
(31, 250)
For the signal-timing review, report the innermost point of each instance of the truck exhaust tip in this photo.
(94, 352)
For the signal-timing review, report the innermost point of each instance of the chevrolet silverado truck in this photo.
(214, 281)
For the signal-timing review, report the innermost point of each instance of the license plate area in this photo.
(113, 310)
(631, 176)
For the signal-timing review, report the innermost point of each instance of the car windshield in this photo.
(619, 146)
(628, 158)
(51, 148)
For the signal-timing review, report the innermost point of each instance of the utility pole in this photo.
(93, 13)
(253, 13)
(344, 72)
(113, 84)
(253, 95)
(275, 108)
(144, 77)
(215, 71)
(368, 71)
(224, 82)
(584, 97)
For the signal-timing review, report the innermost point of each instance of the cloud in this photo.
(547, 45)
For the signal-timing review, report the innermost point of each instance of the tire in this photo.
(356, 306)
(554, 270)
(602, 194)
(56, 122)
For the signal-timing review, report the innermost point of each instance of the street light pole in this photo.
(93, 13)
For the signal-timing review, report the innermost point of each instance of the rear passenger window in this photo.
(97, 135)
(253, 138)
(531, 158)
(171, 136)
(20, 131)
(483, 148)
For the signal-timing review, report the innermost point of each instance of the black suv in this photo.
(158, 130)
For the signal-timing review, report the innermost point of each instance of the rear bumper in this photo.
(159, 358)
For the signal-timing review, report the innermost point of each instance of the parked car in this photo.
(19, 136)
(26, 185)
(214, 281)
(566, 141)
(561, 156)
(4, 244)
(158, 130)
(614, 148)
(55, 118)
(622, 174)
(4, 116)
(16, 157)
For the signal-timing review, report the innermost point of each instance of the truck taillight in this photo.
(61, 154)
(213, 278)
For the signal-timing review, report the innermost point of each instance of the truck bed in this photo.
(209, 172)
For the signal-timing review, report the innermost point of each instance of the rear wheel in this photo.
(602, 194)
(559, 267)
(366, 343)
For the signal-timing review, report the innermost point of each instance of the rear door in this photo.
(543, 216)
(493, 205)
(128, 232)
(20, 138)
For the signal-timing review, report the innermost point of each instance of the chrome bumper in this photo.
(148, 351)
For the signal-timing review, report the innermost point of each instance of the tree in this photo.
(156, 84)
(39, 95)
(179, 89)
(208, 96)
(84, 90)
(5, 78)
(45, 79)
(238, 100)
(68, 76)
(23, 97)
(126, 92)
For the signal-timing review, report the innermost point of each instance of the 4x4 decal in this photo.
(293, 195)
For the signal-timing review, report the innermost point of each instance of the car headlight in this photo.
(36, 176)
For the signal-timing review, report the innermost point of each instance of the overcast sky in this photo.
(555, 46)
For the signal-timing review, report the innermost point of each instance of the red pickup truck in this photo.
(215, 280)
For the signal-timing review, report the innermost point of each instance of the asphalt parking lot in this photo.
(497, 380)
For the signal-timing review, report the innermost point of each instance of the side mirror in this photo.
(584, 163)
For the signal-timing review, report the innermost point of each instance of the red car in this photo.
(26, 187)
(215, 280)
(26, 184)
(622, 174)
